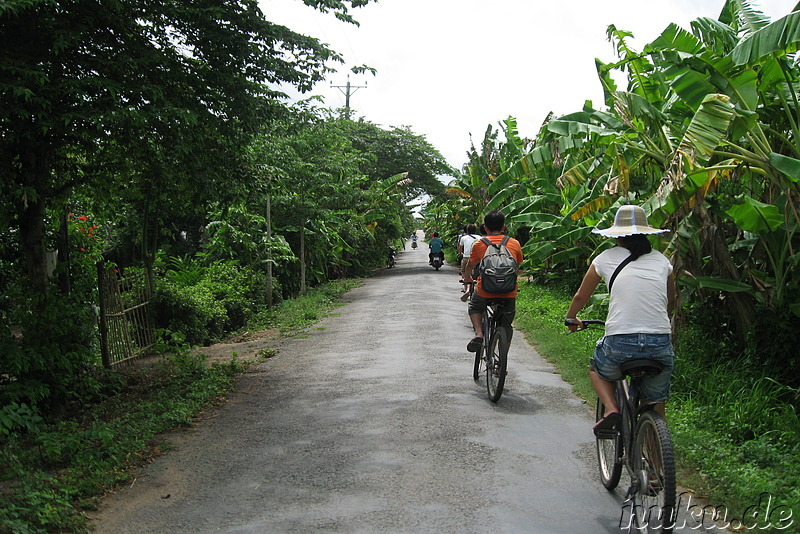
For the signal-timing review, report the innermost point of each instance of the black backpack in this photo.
(498, 268)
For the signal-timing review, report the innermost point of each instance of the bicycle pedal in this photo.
(606, 434)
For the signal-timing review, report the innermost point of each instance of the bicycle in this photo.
(493, 356)
(642, 444)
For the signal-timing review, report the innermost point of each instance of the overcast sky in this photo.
(449, 68)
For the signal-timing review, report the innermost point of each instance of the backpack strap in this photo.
(488, 243)
(624, 262)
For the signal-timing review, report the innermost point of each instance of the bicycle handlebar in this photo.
(587, 324)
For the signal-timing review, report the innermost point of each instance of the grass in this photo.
(737, 434)
(52, 473)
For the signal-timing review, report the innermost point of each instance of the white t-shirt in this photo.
(466, 241)
(639, 298)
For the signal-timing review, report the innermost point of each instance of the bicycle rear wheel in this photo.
(654, 465)
(609, 454)
(496, 363)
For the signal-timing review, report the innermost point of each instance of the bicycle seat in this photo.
(640, 367)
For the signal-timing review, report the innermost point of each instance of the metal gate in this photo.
(126, 326)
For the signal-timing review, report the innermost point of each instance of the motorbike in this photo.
(437, 260)
(390, 259)
(413, 244)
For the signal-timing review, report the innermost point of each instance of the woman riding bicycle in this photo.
(640, 305)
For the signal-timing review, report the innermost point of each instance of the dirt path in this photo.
(372, 423)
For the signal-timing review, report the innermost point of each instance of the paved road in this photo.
(373, 424)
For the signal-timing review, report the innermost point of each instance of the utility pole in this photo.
(348, 90)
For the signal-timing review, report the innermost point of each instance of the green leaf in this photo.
(779, 38)
(719, 284)
(788, 166)
(756, 217)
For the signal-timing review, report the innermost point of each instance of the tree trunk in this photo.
(35, 173)
(269, 252)
(303, 257)
(740, 305)
(32, 234)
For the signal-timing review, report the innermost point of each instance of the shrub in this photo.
(191, 310)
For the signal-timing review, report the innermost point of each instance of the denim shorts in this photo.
(613, 351)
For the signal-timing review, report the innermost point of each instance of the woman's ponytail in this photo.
(637, 244)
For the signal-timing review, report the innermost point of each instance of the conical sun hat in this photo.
(629, 220)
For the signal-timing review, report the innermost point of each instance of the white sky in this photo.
(449, 68)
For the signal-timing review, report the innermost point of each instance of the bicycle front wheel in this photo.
(609, 454)
(654, 465)
(496, 363)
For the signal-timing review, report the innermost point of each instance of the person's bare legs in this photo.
(604, 390)
(477, 324)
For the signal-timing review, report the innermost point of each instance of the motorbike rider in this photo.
(390, 255)
(435, 244)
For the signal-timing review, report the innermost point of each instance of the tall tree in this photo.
(181, 83)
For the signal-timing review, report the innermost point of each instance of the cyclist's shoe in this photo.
(465, 298)
(475, 345)
(606, 428)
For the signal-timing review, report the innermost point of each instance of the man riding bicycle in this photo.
(494, 226)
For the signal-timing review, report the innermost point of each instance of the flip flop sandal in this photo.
(607, 426)
(475, 344)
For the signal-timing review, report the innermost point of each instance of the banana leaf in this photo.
(756, 217)
(788, 166)
(718, 284)
(777, 39)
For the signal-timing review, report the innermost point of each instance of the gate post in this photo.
(101, 282)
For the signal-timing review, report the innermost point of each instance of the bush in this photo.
(207, 303)
(191, 310)
(44, 368)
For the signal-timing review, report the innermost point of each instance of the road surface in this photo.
(372, 424)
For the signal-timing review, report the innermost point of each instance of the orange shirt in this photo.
(479, 249)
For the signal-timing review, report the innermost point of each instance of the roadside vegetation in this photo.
(736, 431)
(54, 472)
(160, 141)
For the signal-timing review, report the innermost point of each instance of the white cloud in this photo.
(448, 68)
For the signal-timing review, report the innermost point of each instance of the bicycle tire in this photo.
(654, 464)
(496, 363)
(609, 454)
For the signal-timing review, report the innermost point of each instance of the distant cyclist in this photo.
(465, 243)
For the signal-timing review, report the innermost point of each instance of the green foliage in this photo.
(43, 368)
(298, 313)
(92, 452)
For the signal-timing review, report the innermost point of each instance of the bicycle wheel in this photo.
(496, 363)
(654, 465)
(609, 454)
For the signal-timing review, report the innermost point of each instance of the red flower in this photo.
(82, 218)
